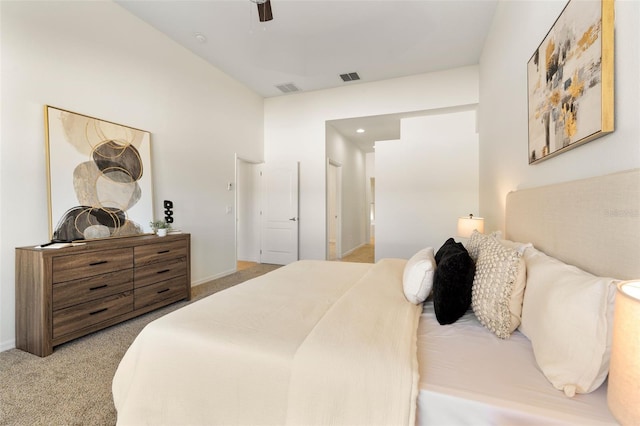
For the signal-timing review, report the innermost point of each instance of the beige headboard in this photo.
(592, 223)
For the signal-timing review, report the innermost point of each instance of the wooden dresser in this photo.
(63, 294)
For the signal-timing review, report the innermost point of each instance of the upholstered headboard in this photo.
(591, 223)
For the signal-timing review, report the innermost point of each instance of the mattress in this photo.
(468, 376)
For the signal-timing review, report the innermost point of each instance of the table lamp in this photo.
(467, 224)
(623, 395)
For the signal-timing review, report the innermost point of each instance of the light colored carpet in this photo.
(73, 385)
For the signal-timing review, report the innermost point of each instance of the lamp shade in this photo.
(623, 394)
(467, 224)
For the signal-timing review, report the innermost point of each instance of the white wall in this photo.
(424, 182)
(517, 30)
(353, 203)
(295, 130)
(95, 58)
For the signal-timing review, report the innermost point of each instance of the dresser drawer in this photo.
(86, 314)
(163, 292)
(160, 252)
(81, 265)
(71, 293)
(155, 272)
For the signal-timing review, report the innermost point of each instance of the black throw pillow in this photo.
(452, 282)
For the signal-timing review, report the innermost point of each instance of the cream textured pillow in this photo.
(567, 314)
(476, 240)
(498, 287)
(417, 279)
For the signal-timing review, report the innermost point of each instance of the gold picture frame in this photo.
(99, 181)
(570, 80)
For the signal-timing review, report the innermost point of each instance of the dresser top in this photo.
(107, 243)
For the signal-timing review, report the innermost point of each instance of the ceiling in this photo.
(309, 43)
(383, 127)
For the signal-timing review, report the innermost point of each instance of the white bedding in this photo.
(310, 343)
(470, 377)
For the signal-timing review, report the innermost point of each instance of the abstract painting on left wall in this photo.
(99, 177)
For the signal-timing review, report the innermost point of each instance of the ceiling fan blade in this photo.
(264, 11)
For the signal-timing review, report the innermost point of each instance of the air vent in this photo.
(288, 88)
(352, 76)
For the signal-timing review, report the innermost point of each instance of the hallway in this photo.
(363, 254)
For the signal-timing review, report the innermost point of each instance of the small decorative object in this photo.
(570, 80)
(624, 372)
(99, 177)
(160, 227)
(168, 211)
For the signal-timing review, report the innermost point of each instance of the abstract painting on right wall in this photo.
(570, 80)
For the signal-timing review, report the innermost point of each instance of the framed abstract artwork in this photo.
(570, 80)
(99, 177)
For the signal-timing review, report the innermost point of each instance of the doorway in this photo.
(372, 211)
(334, 214)
(247, 213)
(266, 200)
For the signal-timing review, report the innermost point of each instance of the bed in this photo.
(336, 343)
(288, 347)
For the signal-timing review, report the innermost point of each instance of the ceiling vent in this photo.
(352, 76)
(288, 88)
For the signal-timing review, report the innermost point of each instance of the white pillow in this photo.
(498, 287)
(520, 247)
(567, 314)
(417, 279)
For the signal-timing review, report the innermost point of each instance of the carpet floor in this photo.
(72, 386)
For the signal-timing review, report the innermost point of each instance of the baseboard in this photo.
(213, 277)
(9, 344)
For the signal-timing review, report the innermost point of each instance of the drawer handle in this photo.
(164, 251)
(99, 287)
(163, 291)
(98, 263)
(164, 271)
(98, 311)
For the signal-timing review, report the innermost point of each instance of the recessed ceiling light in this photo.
(200, 37)
(360, 131)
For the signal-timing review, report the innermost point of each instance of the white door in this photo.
(279, 213)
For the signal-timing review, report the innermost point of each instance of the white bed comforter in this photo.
(311, 343)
